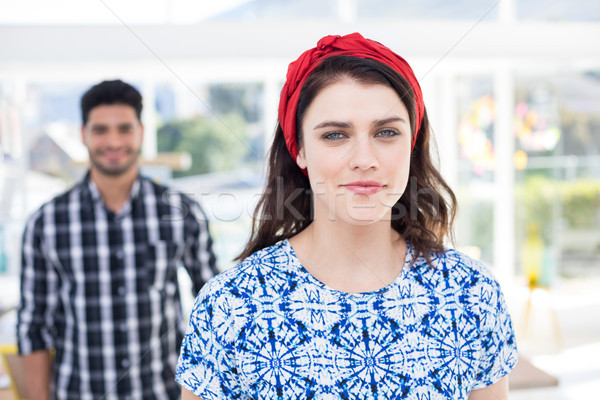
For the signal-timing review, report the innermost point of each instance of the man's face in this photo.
(113, 136)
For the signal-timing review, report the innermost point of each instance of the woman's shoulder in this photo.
(460, 260)
(456, 278)
(274, 262)
(455, 268)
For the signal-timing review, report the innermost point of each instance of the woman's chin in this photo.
(365, 217)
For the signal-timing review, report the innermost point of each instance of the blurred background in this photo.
(512, 89)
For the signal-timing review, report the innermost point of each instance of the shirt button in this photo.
(121, 290)
(119, 254)
(124, 363)
(123, 327)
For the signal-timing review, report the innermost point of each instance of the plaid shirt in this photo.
(101, 288)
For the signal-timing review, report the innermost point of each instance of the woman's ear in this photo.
(300, 159)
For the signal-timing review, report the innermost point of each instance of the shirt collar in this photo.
(92, 194)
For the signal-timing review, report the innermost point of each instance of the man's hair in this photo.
(110, 92)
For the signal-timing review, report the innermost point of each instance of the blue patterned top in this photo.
(267, 329)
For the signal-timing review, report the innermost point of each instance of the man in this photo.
(99, 268)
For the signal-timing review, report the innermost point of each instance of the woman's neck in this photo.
(351, 258)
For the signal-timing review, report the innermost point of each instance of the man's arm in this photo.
(199, 259)
(35, 315)
(37, 370)
(496, 391)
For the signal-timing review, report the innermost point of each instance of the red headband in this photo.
(349, 45)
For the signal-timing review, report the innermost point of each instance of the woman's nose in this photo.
(362, 154)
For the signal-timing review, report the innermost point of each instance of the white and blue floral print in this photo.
(267, 329)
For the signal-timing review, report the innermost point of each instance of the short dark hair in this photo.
(110, 92)
(285, 207)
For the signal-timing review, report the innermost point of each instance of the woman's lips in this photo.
(364, 187)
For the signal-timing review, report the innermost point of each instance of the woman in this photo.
(345, 289)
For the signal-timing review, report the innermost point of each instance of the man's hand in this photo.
(37, 374)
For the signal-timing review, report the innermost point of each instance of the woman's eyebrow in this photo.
(385, 121)
(340, 124)
(334, 124)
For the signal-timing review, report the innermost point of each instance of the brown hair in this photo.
(424, 215)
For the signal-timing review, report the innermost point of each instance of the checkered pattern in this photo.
(101, 288)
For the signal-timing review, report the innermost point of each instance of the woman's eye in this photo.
(334, 136)
(387, 133)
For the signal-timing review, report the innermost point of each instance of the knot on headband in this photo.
(354, 45)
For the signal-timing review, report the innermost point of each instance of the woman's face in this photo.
(356, 147)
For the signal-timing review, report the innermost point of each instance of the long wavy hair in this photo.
(423, 215)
